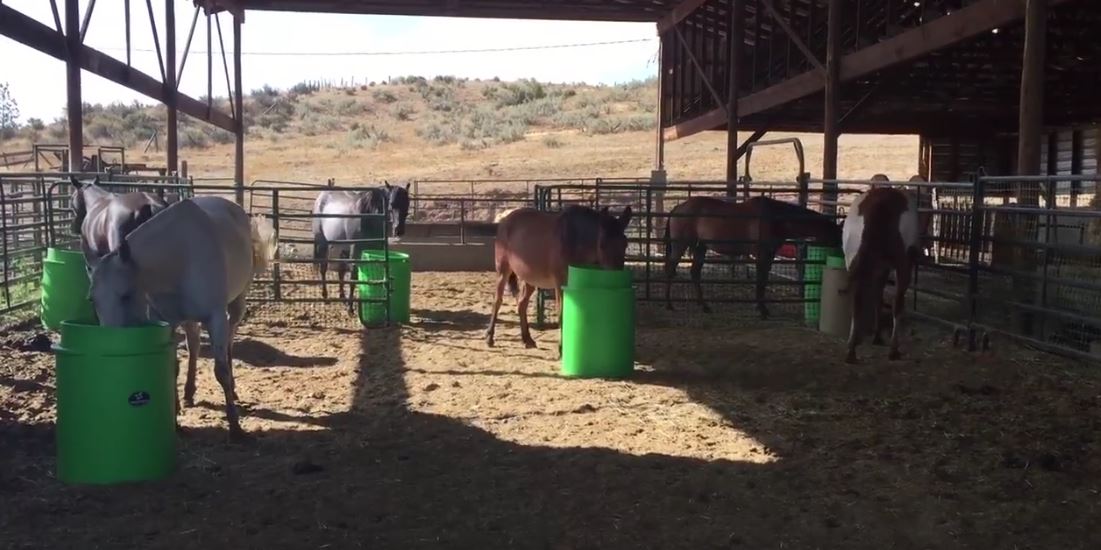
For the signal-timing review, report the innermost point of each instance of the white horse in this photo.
(191, 263)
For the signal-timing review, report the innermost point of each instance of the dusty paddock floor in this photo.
(730, 437)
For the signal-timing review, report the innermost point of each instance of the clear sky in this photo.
(37, 81)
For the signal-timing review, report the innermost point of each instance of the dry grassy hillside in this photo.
(448, 128)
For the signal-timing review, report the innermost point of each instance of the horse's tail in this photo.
(264, 243)
(513, 285)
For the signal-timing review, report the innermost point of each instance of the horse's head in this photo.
(78, 204)
(114, 290)
(398, 198)
(611, 240)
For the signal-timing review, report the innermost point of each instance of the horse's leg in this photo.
(856, 288)
(191, 333)
(766, 252)
(501, 282)
(321, 256)
(218, 329)
(699, 254)
(522, 309)
(236, 311)
(341, 269)
(880, 285)
(672, 258)
(902, 284)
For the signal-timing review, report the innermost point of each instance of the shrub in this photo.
(305, 88)
(552, 142)
(384, 96)
(368, 136)
(403, 111)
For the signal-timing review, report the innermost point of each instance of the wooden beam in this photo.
(791, 35)
(699, 68)
(659, 143)
(940, 33)
(683, 9)
(30, 32)
(70, 45)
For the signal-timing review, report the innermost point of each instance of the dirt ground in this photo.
(728, 436)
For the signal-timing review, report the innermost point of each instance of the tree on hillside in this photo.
(9, 113)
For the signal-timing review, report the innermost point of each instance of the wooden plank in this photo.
(30, 32)
(239, 122)
(1032, 90)
(793, 36)
(938, 34)
(172, 147)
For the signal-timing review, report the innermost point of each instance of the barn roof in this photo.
(578, 10)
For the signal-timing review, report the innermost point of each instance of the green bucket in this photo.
(598, 324)
(116, 403)
(64, 288)
(374, 313)
(812, 282)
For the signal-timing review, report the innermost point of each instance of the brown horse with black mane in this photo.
(536, 248)
(756, 227)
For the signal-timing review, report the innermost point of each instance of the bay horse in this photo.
(762, 225)
(536, 248)
(191, 263)
(882, 233)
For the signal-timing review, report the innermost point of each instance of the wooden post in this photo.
(172, 137)
(1029, 137)
(239, 120)
(734, 39)
(659, 146)
(1031, 121)
(75, 109)
(831, 109)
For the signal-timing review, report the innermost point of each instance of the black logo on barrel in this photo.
(138, 398)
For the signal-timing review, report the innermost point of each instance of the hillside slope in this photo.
(449, 128)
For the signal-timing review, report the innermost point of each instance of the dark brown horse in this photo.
(537, 248)
(760, 224)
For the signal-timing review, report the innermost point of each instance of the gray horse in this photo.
(344, 218)
(192, 263)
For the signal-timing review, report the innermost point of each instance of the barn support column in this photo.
(239, 113)
(1029, 139)
(171, 139)
(734, 39)
(75, 109)
(831, 122)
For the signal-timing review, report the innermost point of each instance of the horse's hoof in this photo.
(189, 402)
(239, 436)
(877, 341)
(851, 359)
(706, 309)
(530, 344)
(489, 342)
(894, 355)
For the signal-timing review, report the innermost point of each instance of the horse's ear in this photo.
(625, 218)
(75, 182)
(387, 183)
(124, 252)
(407, 184)
(95, 180)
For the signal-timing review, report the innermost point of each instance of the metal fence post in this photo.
(277, 275)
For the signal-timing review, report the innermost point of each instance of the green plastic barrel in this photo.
(374, 313)
(64, 288)
(116, 392)
(598, 324)
(835, 260)
(812, 282)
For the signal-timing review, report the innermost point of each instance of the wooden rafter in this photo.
(966, 23)
(30, 32)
